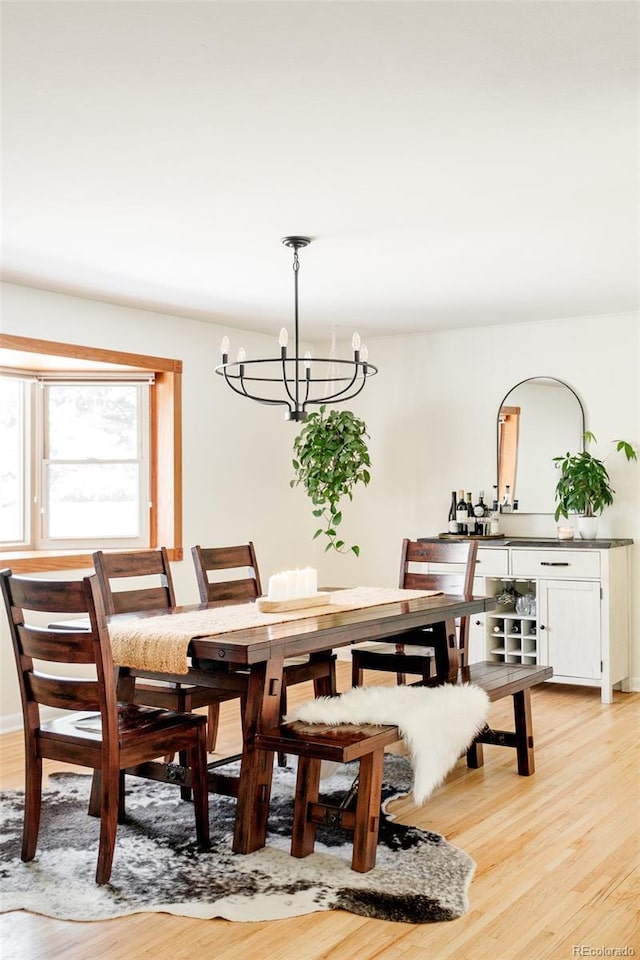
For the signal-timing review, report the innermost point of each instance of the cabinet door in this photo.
(569, 627)
(477, 626)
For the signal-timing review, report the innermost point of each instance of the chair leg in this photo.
(32, 804)
(95, 798)
(357, 674)
(110, 805)
(282, 757)
(183, 759)
(367, 823)
(198, 764)
(401, 678)
(325, 685)
(303, 831)
(96, 794)
(524, 732)
(213, 718)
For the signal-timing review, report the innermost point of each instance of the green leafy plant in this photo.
(584, 486)
(330, 458)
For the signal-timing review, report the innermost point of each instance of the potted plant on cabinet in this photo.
(584, 486)
(331, 457)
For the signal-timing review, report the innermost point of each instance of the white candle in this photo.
(310, 580)
(277, 587)
(290, 581)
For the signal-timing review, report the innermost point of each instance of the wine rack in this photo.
(512, 637)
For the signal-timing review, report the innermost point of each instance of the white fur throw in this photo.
(437, 723)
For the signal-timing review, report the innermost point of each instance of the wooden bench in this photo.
(313, 743)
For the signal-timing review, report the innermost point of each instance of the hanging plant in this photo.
(330, 458)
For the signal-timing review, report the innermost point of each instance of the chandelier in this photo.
(293, 381)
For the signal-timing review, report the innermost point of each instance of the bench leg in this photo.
(303, 832)
(475, 756)
(367, 824)
(524, 732)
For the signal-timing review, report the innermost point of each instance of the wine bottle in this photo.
(471, 522)
(453, 523)
(462, 514)
(480, 513)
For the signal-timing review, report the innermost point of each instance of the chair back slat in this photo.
(146, 598)
(57, 646)
(65, 693)
(42, 596)
(463, 552)
(112, 567)
(239, 560)
(447, 582)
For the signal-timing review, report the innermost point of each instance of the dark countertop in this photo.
(546, 542)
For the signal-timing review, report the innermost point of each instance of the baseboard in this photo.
(13, 721)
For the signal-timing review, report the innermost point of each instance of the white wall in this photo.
(431, 414)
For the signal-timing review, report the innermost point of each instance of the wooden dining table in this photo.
(262, 650)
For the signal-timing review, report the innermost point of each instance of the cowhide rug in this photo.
(419, 877)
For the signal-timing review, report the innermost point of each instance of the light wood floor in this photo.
(556, 854)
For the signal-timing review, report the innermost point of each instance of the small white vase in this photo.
(588, 527)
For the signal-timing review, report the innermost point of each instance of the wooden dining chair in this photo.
(152, 590)
(228, 575)
(413, 654)
(96, 731)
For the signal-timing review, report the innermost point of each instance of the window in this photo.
(94, 474)
(14, 490)
(91, 444)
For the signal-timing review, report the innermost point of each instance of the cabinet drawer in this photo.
(555, 563)
(492, 563)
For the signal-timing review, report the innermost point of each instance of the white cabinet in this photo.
(579, 620)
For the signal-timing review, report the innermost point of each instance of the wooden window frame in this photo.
(165, 451)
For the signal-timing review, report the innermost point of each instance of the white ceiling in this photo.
(457, 163)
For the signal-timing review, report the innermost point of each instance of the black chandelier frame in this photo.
(344, 379)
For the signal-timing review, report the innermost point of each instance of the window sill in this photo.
(45, 561)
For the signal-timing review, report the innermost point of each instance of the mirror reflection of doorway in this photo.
(508, 425)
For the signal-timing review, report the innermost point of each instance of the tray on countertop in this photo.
(471, 536)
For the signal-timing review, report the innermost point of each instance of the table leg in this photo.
(256, 768)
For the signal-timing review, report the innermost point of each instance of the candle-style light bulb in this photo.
(355, 342)
(242, 355)
(224, 348)
(307, 360)
(364, 353)
(283, 339)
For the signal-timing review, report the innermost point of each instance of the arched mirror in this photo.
(539, 419)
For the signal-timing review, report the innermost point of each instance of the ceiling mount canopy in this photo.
(296, 382)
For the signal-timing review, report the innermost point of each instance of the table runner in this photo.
(160, 643)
